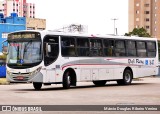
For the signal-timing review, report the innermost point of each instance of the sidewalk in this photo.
(3, 81)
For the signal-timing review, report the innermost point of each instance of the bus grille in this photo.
(20, 79)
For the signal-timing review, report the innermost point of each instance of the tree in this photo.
(141, 32)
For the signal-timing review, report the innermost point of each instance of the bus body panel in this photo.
(87, 68)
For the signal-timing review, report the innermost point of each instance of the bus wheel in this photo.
(127, 78)
(37, 85)
(66, 80)
(100, 83)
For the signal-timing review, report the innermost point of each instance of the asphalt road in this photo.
(142, 92)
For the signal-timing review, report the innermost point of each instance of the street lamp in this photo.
(115, 31)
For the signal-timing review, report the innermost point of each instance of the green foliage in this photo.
(141, 32)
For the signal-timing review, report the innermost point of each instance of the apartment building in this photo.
(146, 14)
(1, 7)
(21, 7)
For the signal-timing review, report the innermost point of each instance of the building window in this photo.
(146, 5)
(155, 15)
(147, 27)
(155, 29)
(137, 4)
(137, 26)
(24, 6)
(155, 22)
(17, 4)
(4, 35)
(155, 8)
(147, 19)
(137, 11)
(137, 19)
(146, 12)
(155, 0)
(13, 9)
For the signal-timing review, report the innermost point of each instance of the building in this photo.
(146, 14)
(21, 7)
(10, 24)
(35, 24)
(1, 6)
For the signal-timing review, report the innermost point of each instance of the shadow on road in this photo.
(50, 88)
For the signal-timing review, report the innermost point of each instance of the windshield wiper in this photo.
(25, 48)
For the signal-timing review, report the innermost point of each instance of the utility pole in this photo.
(115, 30)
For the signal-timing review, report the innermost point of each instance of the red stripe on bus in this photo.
(99, 65)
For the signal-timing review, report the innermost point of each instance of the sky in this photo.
(97, 15)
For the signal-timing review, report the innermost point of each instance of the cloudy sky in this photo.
(96, 14)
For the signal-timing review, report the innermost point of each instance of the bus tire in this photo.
(100, 83)
(127, 78)
(37, 85)
(66, 80)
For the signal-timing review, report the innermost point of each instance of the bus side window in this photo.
(151, 49)
(141, 49)
(68, 46)
(82, 46)
(96, 47)
(131, 48)
(108, 47)
(120, 48)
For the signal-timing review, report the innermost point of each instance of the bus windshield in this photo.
(21, 53)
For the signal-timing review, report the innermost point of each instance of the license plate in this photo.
(20, 78)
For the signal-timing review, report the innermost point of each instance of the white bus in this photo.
(47, 57)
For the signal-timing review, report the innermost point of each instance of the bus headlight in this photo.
(8, 72)
(36, 71)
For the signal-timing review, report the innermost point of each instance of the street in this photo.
(144, 91)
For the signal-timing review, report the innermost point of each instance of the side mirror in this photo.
(49, 48)
(5, 47)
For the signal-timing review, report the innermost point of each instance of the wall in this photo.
(35, 24)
